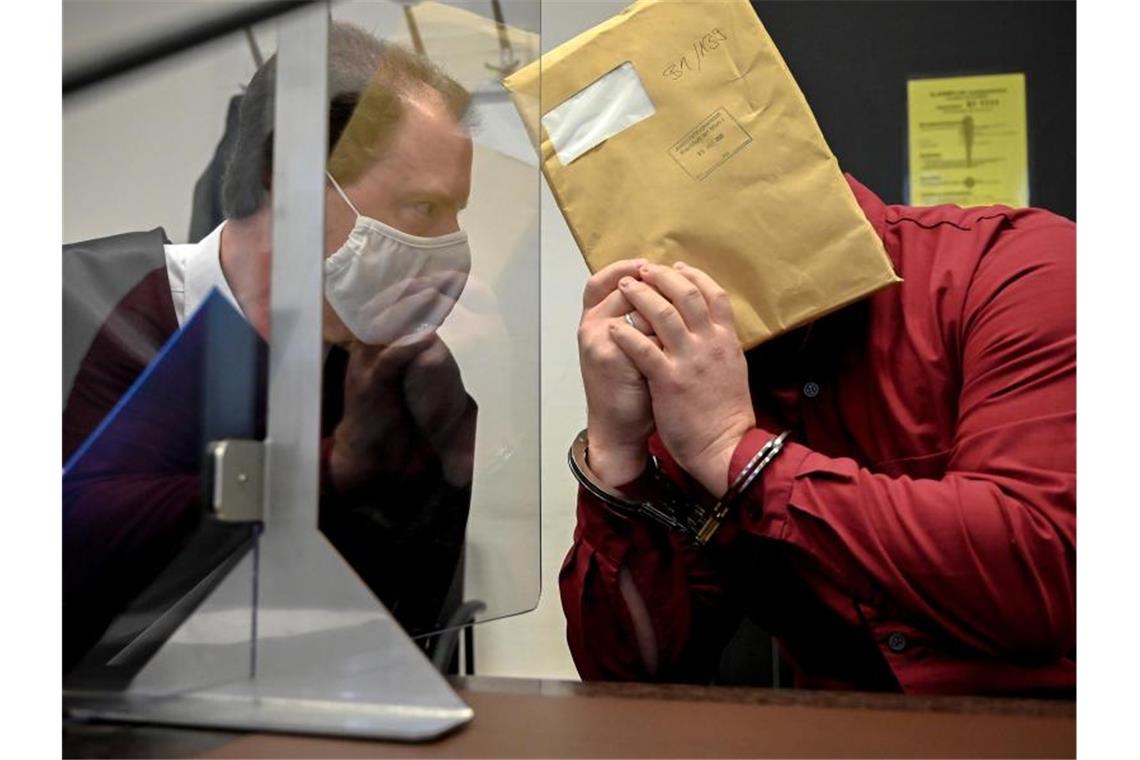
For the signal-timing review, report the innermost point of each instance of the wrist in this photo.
(350, 467)
(616, 465)
(712, 468)
(343, 472)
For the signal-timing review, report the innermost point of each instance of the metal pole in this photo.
(299, 156)
(414, 30)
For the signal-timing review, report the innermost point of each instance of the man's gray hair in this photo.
(367, 81)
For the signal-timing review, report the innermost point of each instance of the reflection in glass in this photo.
(430, 228)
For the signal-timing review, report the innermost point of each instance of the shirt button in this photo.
(811, 390)
(896, 642)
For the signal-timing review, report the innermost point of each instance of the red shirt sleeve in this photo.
(987, 553)
(688, 609)
(984, 554)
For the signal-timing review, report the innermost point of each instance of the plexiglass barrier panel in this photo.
(473, 391)
(158, 363)
(142, 553)
(425, 372)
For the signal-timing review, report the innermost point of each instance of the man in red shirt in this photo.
(916, 533)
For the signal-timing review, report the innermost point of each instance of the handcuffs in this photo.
(673, 509)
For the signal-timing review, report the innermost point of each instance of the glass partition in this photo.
(186, 564)
(158, 361)
(141, 550)
(472, 391)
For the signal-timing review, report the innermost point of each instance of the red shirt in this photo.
(918, 532)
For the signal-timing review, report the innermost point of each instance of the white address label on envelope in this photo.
(608, 106)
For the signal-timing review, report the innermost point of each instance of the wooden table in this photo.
(525, 718)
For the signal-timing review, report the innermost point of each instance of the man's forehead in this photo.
(420, 142)
(428, 103)
(427, 119)
(429, 135)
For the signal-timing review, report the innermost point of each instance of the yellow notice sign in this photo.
(967, 141)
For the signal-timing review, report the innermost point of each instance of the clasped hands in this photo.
(401, 402)
(678, 369)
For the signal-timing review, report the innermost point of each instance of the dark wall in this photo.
(852, 61)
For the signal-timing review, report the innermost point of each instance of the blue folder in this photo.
(206, 384)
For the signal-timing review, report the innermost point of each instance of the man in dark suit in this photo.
(397, 424)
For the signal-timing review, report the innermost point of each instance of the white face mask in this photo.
(385, 284)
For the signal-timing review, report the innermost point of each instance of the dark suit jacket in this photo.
(404, 537)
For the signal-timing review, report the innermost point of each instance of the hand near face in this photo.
(619, 415)
(398, 398)
(441, 409)
(695, 370)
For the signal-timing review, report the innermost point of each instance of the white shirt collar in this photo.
(194, 270)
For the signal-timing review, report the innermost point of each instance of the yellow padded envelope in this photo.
(674, 131)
